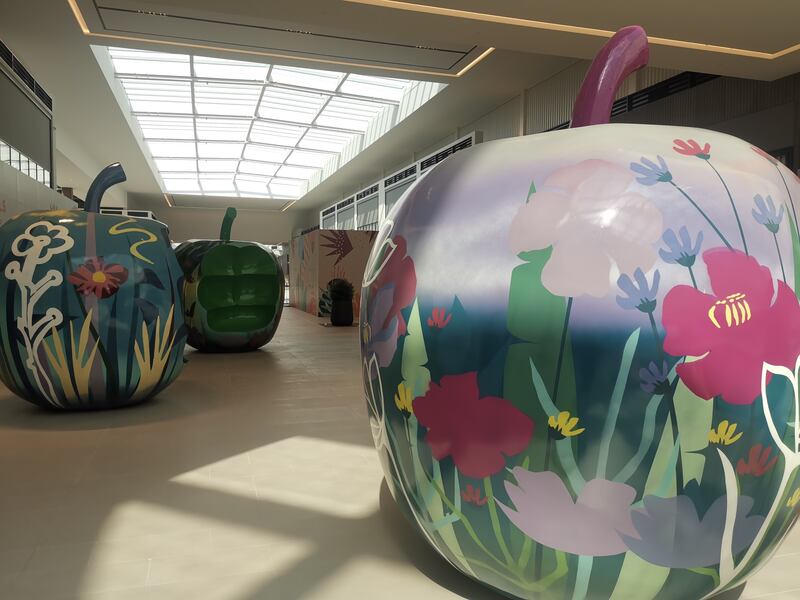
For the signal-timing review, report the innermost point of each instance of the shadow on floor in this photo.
(425, 558)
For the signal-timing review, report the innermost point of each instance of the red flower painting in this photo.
(734, 330)
(477, 433)
(692, 148)
(398, 274)
(758, 461)
(98, 278)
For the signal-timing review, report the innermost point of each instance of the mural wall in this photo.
(322, 255)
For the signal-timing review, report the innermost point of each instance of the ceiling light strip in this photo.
(352, 64)
(564, 28)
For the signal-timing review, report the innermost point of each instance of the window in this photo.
(226, 127)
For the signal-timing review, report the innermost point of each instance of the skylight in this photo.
(230, 128)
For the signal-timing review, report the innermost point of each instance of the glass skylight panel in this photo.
(320, 139)
(307, 78)
(296, 172)
(181, 128)
(216, 165)
(145, 62)
(178, 184)
(158, 96)
(176, 164)
(258, 168)
(375, 87)
(276, 134)
(217, 185)
(234, 130)
(290, 105)
(266, 153)
(238, 128)
(349, 114)
(283, 188)
(219, 150)
(172, 149)
(220, 68)
(253, 184)
(229, 99)
(309, 159)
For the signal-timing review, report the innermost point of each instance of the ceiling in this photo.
(484, 57)
(220, 127)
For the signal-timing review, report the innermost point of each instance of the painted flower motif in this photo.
(473, 495)
(41, 241)
(592, 220)
(640, 295)
(655, 378)
(735, 329)
(758, 461)
(563, 426)
(651, 173)
(794, 499)
(670, 533)
(439, 318)
(764, 154)
(403, 398)
(692, 148)
(477, 433)
(392, 284)
(591, 525)
(98, 277)
(681, 251)
(765, 214)
(725, 434)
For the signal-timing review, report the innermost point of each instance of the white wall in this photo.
(19, 193)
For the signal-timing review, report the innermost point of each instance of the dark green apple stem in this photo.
(227, 223)
(111, 175)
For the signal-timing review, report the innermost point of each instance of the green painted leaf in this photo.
(639, 579)
(416, 377)
(795, 254)
(694, 422)
(662, 467)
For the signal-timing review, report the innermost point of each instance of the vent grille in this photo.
(367, 192)
(6, 55)
(404, 174)
(329, 211)
(309, 230)
(25, 76)
(449, 151)
(346, 203)
(663, 89)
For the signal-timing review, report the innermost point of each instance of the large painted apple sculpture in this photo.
(580, 355)
(93, 315)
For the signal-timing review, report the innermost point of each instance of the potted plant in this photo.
(580, 353)
(233, 294)
(341, 293)
(93, 316)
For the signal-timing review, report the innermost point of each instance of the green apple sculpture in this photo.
(580, 355)
(233, 292)
(93, 316)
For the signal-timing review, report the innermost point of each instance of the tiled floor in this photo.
(252, 477)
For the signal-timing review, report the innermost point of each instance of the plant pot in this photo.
(342, 313)
(580, 355)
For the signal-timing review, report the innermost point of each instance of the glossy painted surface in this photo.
(580, 356)
(93, 316)
(233, 294)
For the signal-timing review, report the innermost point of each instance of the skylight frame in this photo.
(219, 111)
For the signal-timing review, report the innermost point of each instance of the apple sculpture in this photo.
(93, 315)
(233, 293)
(580, 355)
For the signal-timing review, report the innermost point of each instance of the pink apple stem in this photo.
(626, 52)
